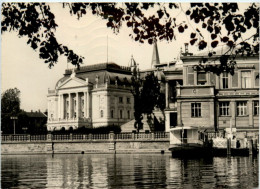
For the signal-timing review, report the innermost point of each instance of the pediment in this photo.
(72, 83)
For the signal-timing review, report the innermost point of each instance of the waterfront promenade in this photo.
(86, 143)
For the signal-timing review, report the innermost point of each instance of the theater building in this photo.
(93, 96)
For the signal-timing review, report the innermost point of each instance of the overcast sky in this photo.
(22, 68)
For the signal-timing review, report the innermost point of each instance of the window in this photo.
(195, 109)
(201, 78)
(101, 113)
(75, 114)
(121, 114)
(120, 99)
(241, 108)
(246, 79)
(82, 113)
(224, 108)
(112, 113)
(128, 114)
(256, 107)
(128, 100)
(225, 80)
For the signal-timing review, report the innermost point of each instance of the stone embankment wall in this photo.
(110, 143)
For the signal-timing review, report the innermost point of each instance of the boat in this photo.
(187, 141)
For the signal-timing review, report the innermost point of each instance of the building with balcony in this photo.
(93, 96)
(215, 102)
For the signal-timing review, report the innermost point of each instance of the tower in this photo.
(155, 56)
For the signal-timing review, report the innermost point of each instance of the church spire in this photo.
(155, 56)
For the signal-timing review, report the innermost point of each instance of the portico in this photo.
(88, 98)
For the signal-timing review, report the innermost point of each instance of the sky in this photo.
(22, 68)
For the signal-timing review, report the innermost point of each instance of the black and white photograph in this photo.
(130, 95)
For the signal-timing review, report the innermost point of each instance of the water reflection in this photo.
(127, 171)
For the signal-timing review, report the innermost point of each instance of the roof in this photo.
(36, 114)
(100, 74)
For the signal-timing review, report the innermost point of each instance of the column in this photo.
(250, 113)
(77, 105)
(61, 106)
(167, 95)
(233, 112)
(88, 105)
(85, 104)
(70, 105)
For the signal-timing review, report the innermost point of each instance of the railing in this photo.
(158, 136)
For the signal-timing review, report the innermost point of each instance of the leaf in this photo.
(181, 29)
(192, 35)
(150, 41)
(202, 44)
(193, 41)
(225, 39)
(188, 12)
(230, 43)
(213, 36)
(214, 44)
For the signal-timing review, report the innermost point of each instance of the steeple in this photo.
(155, 56)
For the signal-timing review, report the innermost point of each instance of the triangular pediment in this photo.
(72, 83)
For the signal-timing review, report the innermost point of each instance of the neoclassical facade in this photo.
(93, 96)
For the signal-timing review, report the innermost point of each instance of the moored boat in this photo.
(187, 141)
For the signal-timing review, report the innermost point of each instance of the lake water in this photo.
(127, 171)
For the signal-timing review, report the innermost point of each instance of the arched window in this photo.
(101, 113)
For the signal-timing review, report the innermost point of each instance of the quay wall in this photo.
(78, 143)
(86, 147)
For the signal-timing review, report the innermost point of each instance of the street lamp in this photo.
(14, 118)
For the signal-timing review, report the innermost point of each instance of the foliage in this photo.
(84, 130)
(224, 22)
(10, 106)
(147, 96)
(36, 22)
(10, 101)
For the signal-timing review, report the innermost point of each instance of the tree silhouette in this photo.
(10, 106)
(147, 96)
(223, 22)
